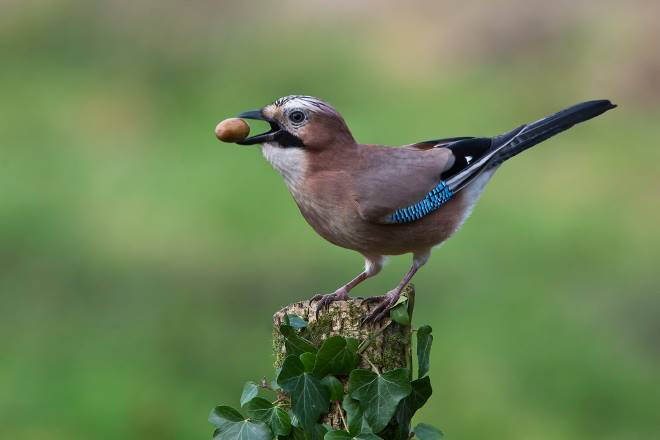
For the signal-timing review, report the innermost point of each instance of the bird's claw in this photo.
(324, 301)
(386, 302)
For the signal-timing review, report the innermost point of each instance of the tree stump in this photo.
(387, 345)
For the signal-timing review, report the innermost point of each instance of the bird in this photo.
(380, 200)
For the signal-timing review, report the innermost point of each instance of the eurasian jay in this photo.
(382, 201)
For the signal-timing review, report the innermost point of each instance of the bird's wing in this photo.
(436, 143)
(399, 186)
(389, 179)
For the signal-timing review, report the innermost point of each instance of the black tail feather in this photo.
(538, 131)
(505, 146)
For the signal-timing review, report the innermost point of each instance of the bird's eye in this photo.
(296, 116)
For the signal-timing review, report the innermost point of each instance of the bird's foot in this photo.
(385, 303)
(324, 301)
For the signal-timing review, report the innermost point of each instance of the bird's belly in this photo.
(352, 232)
(341, 224)
(330, 221)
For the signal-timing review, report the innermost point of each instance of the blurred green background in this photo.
(141, 260)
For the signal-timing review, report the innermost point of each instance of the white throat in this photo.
(290, 162)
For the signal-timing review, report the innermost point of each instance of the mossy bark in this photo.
(387, 345)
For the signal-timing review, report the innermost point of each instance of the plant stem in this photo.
(265, 385)
(341, 414)
(373, 367)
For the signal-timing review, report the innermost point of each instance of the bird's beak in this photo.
(269, 136)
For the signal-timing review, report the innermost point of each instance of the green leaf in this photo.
(308, 360)
(233, 426)
(309, 397)
(262, 410)
(402, 299)
(294, 420)
(424, 342)
(343, 435)
(250, 390)
(221, 415)
(356, 423)
(421, 392)
(427, 432)
(295, 434)
(319, 432)
(335, 387)
(316, 433)
(352, 344)
(294, 343)
(379, 394)
(337, 356)
(298, 434)
(296, 321)
(399, 314)
(245, 430)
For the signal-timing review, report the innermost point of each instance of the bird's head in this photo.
(300, 122)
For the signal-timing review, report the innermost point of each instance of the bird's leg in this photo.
(372, 266)
(340, 294)
(385, 302)
(390, 298)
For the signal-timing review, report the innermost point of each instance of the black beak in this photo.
(269, 136)
(252, 114)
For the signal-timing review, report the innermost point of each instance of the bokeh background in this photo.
(141, 260)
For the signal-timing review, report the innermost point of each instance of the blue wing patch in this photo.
(437, 197)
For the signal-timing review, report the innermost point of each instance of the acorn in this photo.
(232, 130)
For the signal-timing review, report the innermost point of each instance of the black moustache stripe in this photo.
(287, 140)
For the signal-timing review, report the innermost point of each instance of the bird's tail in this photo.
(507, 145)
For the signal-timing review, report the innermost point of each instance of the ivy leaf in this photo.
(402, 299)
(335, 387)
(245, 430)
(309, 397)
(421, 391)
(316, 433)
(379, 394)
(308, 360)
(262, 410)
(222, 415)
(424, 342)
(295, 434)
(337, 356)
(296, 321)
(356, 423)
(343, 435)
(250, 390)
(427, 432)
(233, 426)
(294, 343)
(319, 432)
(399, 314)
(294, 419)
